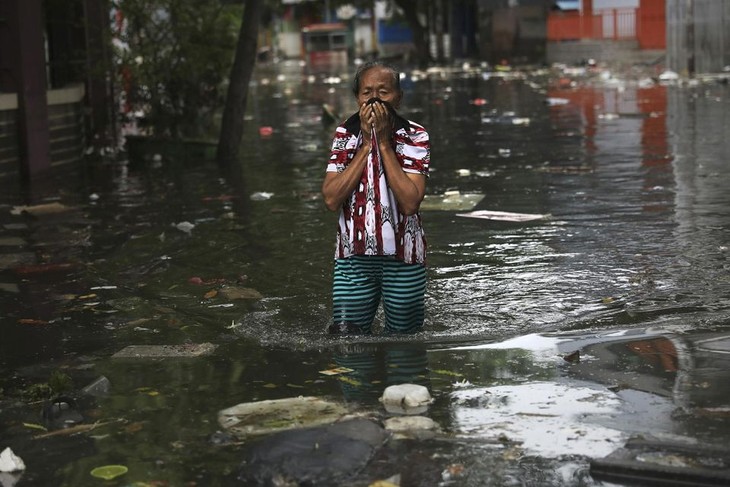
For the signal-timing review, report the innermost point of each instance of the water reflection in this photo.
(376, 367)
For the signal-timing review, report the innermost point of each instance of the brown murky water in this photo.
(629, 265)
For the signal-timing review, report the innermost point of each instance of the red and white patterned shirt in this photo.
(370, 222)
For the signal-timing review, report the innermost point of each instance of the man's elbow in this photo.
(409, 210)
(330, 203)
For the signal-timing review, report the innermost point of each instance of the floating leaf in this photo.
(31, 321)
(295, 386)
(348, 380)
(109, 472)
(210, 294)
(134, 427)
(270, 386)
(34, 426)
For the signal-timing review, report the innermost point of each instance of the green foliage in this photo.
(37, 392)
(173, 58)
(58, 383)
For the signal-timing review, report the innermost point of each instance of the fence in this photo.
(611, 24)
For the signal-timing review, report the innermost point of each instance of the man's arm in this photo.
(408, 188)
(338, 186)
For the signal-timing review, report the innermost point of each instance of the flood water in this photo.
(629, 264)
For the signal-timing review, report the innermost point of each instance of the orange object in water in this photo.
(266, 131)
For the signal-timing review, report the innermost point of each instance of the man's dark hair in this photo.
(374, 64)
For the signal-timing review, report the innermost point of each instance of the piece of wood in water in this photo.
(166, 351)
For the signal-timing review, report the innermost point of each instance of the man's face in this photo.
(378, 82)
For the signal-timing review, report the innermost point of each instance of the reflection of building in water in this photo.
(701, 144)
(376, 367)
(614, 122)
(637, 117)
(692, 369)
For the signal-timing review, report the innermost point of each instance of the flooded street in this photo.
(627, 261)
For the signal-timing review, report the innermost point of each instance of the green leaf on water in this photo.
(109, 472)
(35, 426)
(348, 380)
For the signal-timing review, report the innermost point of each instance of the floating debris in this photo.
(274, 415)
(10, 462)
(503, 216)
(261, 196)
(668, 75)
(553, 101)
(573, 357)
(506, 119)
(166, 351)
(406, 398)
(336, 371)
(109, 472)
(451, 200)
(186, 227)
(43, 209)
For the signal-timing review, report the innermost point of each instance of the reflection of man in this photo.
(376, 178)
(375, 368)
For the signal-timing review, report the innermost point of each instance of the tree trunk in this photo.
(243, 64)
(420, 34)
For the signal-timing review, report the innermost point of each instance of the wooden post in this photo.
(33, 132)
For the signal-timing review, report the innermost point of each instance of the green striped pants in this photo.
(361, 281)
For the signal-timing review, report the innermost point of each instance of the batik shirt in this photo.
(370, 222)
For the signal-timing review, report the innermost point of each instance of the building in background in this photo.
(619, 31)
(55, 97)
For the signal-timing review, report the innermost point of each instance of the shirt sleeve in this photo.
(415, 150)
(343, 148)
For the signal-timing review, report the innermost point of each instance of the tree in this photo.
(243, 65)
(420, 33)
(173, 56)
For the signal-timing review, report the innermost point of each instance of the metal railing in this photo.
(609, 24)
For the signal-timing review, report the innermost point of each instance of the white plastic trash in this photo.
(406, 399)
(10, 462)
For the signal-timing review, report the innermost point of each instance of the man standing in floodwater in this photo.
(376, 178)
